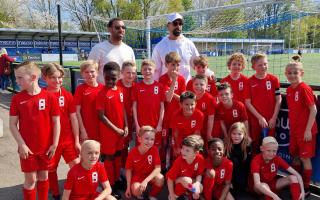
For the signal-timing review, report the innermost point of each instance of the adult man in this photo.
(175, 41)
(113, 49)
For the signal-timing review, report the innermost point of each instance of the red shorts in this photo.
(299, 147)
(139, 179)
(179, 189)
(35, 163)
(217, 191)
(111, 143)
(68, 151)
(272, 185)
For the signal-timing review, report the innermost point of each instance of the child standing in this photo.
(143, 166)
(238, 82)
(301, 104)
(69, 146)
(263, 100)
(239, 151)
(186, 172)
(84, 178)
(218, 174)
(264, 168)
(44, 125)
(85, 101)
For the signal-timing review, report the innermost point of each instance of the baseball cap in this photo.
(269, 139)
(173, 17)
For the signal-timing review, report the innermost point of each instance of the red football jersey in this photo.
(211, 87)
(111, 102)
(237, 113)
(66, 105)
(35, 114)
(223, 171)
(84, 183)
(171, 107)
(127, 100)
(299, 99)
(207, 104)
(85, 96)
(181, 168)
(267, 171)
(262, 93)
(148, 98)
(238, 86)
(143, 164)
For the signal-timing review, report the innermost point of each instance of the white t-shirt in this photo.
(183, 46)
(105, 52)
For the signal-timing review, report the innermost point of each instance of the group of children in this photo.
(212, 142)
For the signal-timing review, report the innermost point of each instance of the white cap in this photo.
(173, 17)
(269, 139)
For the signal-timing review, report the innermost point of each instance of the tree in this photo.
(174, 6)
(12, 14)
(42, 14)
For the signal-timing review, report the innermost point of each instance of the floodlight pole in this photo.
(59, 34)
(148, 37)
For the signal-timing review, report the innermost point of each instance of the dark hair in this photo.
(194, 141)
(110, 23)
(111, 66)
(223, 86)
(214, 140)
(187, 95)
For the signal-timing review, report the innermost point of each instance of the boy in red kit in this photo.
(301, 104)
(148, 101)
(238, 82)
(84, 178)
(129, 75)
(38, 136)
(263, 100)
(143, 166)
(264, 168)
(230, 110)
(218, 174)
(206, 103)
(85, 101)
(200, 65)
(186, 121)
(113, 122)
(186, 172)
(69, 145)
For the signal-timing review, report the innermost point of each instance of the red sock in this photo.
(295, 191)
(117, 167)
(208, 184)
(306, 176)
(29, 194)
(108, 165)
(155, 190)
(124, 155)
(43, 189)
(53, 182)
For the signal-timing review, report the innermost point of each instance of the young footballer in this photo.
(186, 121)
(148, 101)
(263, 100)
(35, 125)
(218, 174)
(230, 110)
(301, 104)
(238, 82)
(143, 166)
(113, 122)
(69, 146)
(185, 175)
(200, 65)
(264, 168)
(85, 101)
(84, 178)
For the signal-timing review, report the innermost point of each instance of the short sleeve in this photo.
(244, 114)
(156, 156)
(174, 171)
(255, 166)
(94, 54)
(189, 85)
(212, 106)
(308, 96)
(134, 93)
(276, 83)
(102, 173)
(163, 96)
(68, 185)
(229, 168)
(182, 84)
(201, 119)
(201, 166)
(71, 105)
(157, 59)
(129, 160)
(282, 163)
(13, 107)
(78, 96)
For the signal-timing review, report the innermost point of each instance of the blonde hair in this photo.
(50, 68)
(297, 65)
(88, 143)
(246, 141)
(148, 62)
(88, 63)
(238, 57)
(269, 140)
(145, 129)
(128, 64)
(200, 60)
(257, 57)
(30, 67)
(173, 57)
(194, 141)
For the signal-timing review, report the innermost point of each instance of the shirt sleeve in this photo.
(282, 163)
(129, 162)
(134, 93)
(94, 54)
(189, 85)
(173, 173)
(201, 166)
(13, 107)
(201, 119)
(156, 156)
(78, 96)
(277, 86)
(308, 96)
(102, 173)
(229, 168)
(255, 166)
(68, 185)
(182, 84)
(71, 105)
(244, 114)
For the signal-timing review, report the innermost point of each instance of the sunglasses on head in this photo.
(177, 23)
(120, 27)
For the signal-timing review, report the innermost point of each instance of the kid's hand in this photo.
(83, 135)
(137, 129)
(172, 197)
(143, 186)
(51, 151)
(128, 192)
(196, 185)
(307, 136)
(24, 151)
(126, 131)
(120, 131)
(263, 122)
(77, 146)
(301, 197)
(159, 129)
(196, 195)
(272, 123)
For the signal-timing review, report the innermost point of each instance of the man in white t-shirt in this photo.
(113, 49)
(176, 42)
